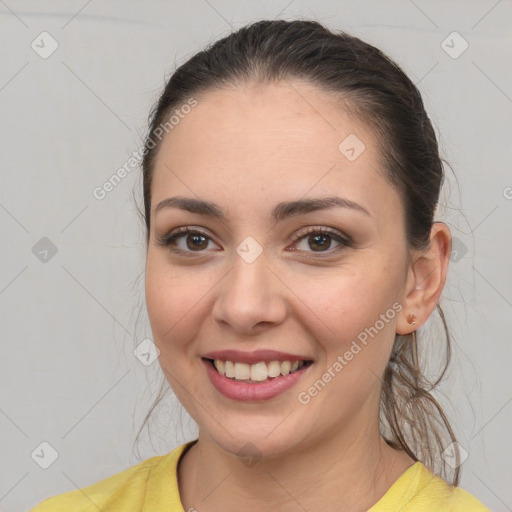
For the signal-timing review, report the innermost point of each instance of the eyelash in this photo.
(169, 239)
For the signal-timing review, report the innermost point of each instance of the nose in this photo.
(250, 298)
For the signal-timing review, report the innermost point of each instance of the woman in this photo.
(291, 177)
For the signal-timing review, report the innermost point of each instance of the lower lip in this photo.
(246, 392)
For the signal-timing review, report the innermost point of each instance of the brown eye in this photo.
(320, 240)
(197, 242)
(186, 240)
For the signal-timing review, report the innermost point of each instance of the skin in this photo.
(246, 149)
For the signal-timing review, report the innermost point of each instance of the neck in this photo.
(349, 472)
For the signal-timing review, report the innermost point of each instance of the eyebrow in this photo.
(280, 212)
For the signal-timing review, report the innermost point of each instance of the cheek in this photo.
(347, 305)
(173, 299)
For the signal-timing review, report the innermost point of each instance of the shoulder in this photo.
(453, 499)
(126, 491)
(419, 490)
(127, 486)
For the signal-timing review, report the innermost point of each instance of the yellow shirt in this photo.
(152, 486)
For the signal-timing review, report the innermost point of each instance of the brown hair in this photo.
(375, 90)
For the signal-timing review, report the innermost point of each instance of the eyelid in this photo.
(337, 235)
(166, 239)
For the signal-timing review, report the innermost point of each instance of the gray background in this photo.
(69, 320)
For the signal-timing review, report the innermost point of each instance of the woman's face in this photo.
(265, 267)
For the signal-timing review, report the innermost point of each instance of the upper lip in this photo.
(256, 356)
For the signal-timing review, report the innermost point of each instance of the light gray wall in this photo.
(69, 121)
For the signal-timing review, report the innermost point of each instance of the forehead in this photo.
(283, 140)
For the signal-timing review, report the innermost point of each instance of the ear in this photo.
(426, 279)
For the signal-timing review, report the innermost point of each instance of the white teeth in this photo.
(219, 365)
(257, 372)
(285, 367)
(229, 369)
(274, 369)
(242, 371)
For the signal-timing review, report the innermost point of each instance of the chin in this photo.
(256, 440)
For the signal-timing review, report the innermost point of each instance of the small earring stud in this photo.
(411, 319)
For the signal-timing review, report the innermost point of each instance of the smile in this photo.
(258, 381)
(258, 372)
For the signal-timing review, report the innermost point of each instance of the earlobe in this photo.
(426, 280)
(411, 319)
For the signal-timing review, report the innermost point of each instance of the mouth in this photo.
(256, 373)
